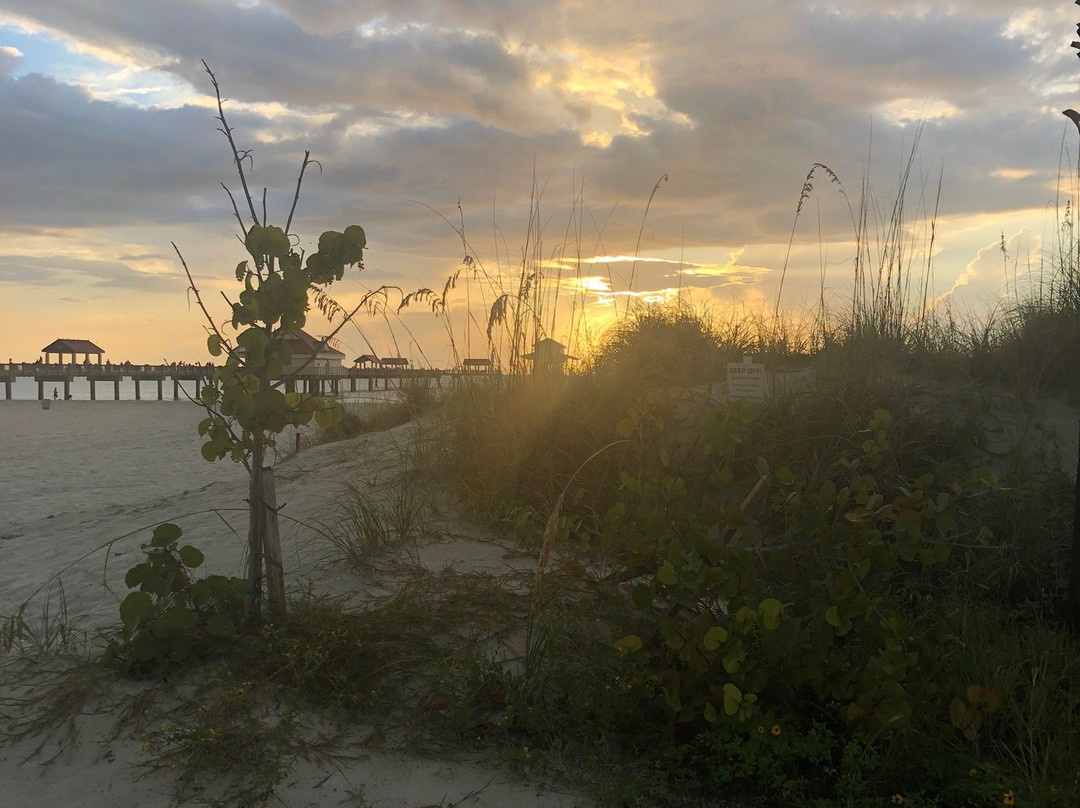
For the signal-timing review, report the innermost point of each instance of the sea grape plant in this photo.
(751, 612)
(245, 403)
(170, 617)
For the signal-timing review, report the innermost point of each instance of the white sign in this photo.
(745, 381)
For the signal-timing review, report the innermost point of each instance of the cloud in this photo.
(93, 275)
(10, 59)
(549, 120)
(998, 271)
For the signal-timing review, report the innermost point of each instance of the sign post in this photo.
(745, 380)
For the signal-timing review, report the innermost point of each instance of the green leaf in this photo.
(832, 616)
(241, 271)
(959, 714)
(221, 626)
(667, 575)
(133, 609)
(261, 241)
(770, 609)
(745, 615)
(330, 243)
(179, 618)
(762, 467)
(354, 240)
(714, 638)
(254, 341)
(191, 557)
(733, 659)
(144, 647)
(629, 644)
(136, 575)
(213, 344)
(253, 242)
(732, 699)
(165, 534)
(710, 713)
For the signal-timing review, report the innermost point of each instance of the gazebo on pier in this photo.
(73, 347)
(548, 357)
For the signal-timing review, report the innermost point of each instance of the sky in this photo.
(629, 151)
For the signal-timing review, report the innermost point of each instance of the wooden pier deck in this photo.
(332, 381)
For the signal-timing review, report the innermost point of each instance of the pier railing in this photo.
(320, 381)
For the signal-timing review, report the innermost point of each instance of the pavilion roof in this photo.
(302, 342)
(83, 346)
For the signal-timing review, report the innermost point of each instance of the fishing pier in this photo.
(151, 379)
(317, 368)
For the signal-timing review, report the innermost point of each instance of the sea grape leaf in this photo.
(221, 626)
(714, 638)
(191, 557)
(133, 609)
(165, 534)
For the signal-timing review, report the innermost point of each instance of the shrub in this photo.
(172, 618)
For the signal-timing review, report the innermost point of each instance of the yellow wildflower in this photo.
(897, 799)
(775, 729)
(1009, 798)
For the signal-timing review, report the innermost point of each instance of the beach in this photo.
(82, 484)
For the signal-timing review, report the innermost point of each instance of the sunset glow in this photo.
(550, 138)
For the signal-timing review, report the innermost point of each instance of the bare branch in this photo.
(236, 210)
(238, 156)
(198, 296)
(299, 182)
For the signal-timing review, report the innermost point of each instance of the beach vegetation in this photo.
(226, 746)
(171, 618)
(52, 630)
(246, 407)
(838, 596)
(411, 399)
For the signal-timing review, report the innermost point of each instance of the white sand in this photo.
(82, 475)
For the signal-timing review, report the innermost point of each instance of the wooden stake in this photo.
(1072, 607)
(275, 571)
(256, 511)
